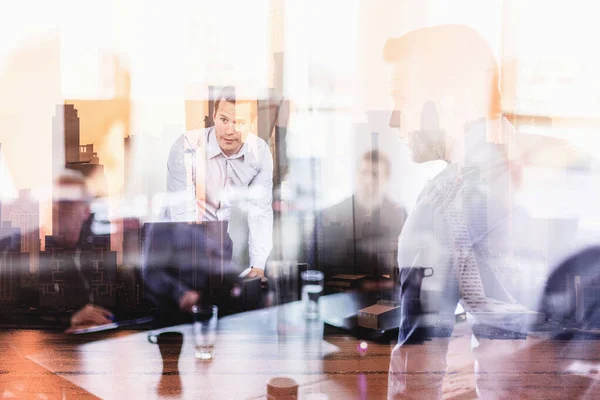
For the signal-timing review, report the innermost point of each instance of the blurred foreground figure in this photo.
(467, 239)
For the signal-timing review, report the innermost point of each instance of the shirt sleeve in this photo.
(180, 197)
(427, 241)
(260, 211)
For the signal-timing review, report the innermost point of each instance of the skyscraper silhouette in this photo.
(24, 213)
(65, 128)
(12, 262)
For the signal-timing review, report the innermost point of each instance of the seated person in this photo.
(187, 264)
(76, 249)
(360, 234)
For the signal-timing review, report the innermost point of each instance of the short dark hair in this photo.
(375, 156)
(227, 94)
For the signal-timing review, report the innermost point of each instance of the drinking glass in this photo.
(205, 331)
(283, 281)
(312, 287)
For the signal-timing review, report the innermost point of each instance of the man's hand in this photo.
(188, 300)
(91, 315)
(257, 272)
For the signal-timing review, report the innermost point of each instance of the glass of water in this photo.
(312, 287)
(205, 331)
(283, 281)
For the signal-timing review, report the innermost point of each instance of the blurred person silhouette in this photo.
(209, 172)
(73, 238)
(465, 226)
(359, 235)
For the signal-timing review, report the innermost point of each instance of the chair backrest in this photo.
(572, 293)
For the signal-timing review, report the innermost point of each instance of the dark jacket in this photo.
(181, 256)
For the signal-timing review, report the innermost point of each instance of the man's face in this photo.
(372, 178)
(415, 114)
(233, 122)
(73, 212)
(71, 217)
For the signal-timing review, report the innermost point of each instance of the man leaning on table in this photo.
(214, 169)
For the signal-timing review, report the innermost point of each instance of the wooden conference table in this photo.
(251, 348)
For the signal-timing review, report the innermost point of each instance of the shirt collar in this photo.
(213, 148)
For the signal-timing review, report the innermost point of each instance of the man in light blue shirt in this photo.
(214, 169)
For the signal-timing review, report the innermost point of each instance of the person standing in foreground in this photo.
(466, 227)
